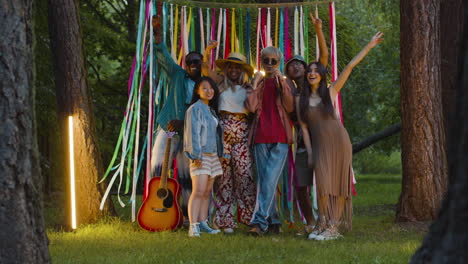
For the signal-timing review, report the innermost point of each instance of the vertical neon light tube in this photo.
(72, 172)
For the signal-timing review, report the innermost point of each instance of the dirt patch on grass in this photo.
(415, 226)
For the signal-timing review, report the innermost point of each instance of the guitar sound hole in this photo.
(162, 193)
(168, 202)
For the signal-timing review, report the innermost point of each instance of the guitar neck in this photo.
(165, 165)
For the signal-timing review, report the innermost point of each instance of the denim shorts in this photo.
(210, 166)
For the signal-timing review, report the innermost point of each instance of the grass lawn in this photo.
(374, 239)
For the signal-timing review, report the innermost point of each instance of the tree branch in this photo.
(103, 19)
(116, 10)
(393, 129)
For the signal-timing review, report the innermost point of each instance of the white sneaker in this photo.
(205, 228)
(314, 234)
(228, 230)
(194, 230)
(327, 234)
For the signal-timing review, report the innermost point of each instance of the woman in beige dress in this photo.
(328, 146)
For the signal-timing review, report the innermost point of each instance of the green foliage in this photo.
(370, 160)
(372, 94)
(375, 238)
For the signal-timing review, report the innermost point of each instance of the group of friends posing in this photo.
(228, 123)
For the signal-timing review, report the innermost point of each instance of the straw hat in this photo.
(238, 58)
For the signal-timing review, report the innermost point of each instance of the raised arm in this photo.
(206, 67)
(323, 50)
(164, 59)
(343, 77)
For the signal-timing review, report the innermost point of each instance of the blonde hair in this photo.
(271, 50)
(226, 83)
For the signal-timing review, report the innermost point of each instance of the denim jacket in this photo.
(202, 133)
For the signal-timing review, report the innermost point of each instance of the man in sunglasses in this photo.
(271, 100)
(180, 83)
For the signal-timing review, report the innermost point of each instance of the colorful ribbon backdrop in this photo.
(190, 28)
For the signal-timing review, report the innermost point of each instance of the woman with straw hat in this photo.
(236, 186)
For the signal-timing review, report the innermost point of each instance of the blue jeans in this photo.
(269, 160)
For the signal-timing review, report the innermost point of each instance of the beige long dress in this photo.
(332, 157)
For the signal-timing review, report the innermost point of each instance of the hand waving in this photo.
(376, 39)
(212, 44)
(316, 20)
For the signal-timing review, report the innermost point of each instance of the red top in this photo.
(270, 129)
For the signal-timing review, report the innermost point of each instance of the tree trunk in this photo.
(73, 99)
(447, 239)
(22, 230)
(422, 128)
(451, 28)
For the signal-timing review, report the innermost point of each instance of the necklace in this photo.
(314, 100)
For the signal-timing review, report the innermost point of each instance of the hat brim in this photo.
(295, 59)
(246, 67)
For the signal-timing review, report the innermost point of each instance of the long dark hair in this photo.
(322, 90)
(213, 103)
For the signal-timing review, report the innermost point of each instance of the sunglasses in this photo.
(270, 61)
(193, 61)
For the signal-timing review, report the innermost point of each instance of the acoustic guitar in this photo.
(161, 211)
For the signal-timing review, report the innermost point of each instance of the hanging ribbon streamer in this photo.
(287, 45)
(212, 31)
(232, 34)
(171, 33)
(164, 21)
(176, 33)
(306, 33)
(227, 50)
(281, 39)
(301, 32)
(202, 33)
(240, 40)
(218, 39)
(334, 60)
(191, 22)
(268, 29)
(182, 35)
(187, 25)
(276, 27)
(208, 27)
(259, 17)
(296, 33)
(224, 34)
(247, 36)
(125, 128)
(263, 39)
(150, 125)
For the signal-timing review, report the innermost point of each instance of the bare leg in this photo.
(305, 204)
(205, 202)
(195, 201)
(323, 211)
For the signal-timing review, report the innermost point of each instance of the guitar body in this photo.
(158, 213)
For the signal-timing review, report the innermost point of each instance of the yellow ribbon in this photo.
(276, 28)
(234, 45)
(176, 29)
